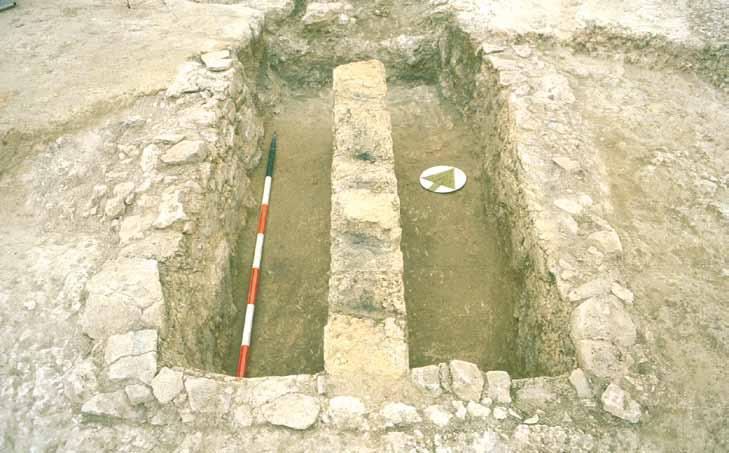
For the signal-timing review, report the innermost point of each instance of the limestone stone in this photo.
(258, 391)
(166, 415)
(622, 293)
(523, 51)
(357, 346)
(500, 413)
(346, 412)
(150, 157)
(569, 206)
(170, 210)
(141, 367)
(476, 410)
(293, 410)
(321, 384)
(243, 416)
(499, 386)
(118, 294)
(427, 378)
(130, 343)
(444, 374)
(366, 291)
(592, 288)
(608, 241)
(618, 402)
(396, 441)
(114, 404)
(100, 191)
(132, 227)
(584, 199)
(114, 207)
(533, 420)
(218, 60)
(554, 88)
(185, 152)
(600, 358)
(569, 224)
(534, 394)
(566, 163)
(489, 49)
(319, 13)
(169, 138)
(602, 319)
(167, 385)
(460, 408)
(437, 415)
(466, 380)
(207, 395)
(580, 383)
(399, 414)
(123, 189)
(138, 394)
(80, 382)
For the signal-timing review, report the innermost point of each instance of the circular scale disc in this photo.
(443, 179)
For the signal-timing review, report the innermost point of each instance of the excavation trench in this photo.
(469, 293)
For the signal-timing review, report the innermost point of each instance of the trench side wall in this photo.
(543, 342)
(198, 282)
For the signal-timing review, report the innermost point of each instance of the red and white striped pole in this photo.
(255, 272)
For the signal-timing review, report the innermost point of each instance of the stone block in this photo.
(618, 402)
(466, 380)
(600, 358)
(207, 395)
(602, 318)
(499, 386)
(118, 294)
(167, 385)
(427, 378)
(129, 344)
(294, 410)
(365, 347)
(399, 414)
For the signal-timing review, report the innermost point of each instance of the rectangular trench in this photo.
(448, 258)
(455, 277)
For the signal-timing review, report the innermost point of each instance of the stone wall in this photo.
(366, 335)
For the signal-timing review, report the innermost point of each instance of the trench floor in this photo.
(456, 278)
(291, 306)
(457, 283)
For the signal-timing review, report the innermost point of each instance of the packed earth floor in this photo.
(572, 297)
